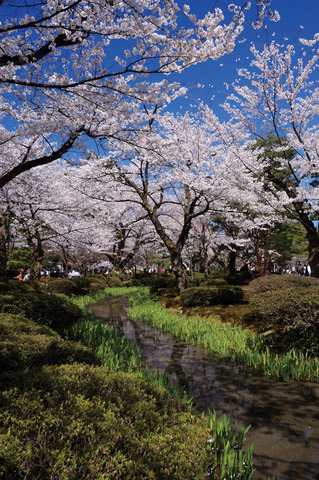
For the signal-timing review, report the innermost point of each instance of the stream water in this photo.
(284, 416)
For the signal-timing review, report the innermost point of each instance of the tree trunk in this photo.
(232, 262)
(37, 254)
(266, 253)
(179, 271)
(313, 243)
(4, 234)
(313, 249)
(260, 267)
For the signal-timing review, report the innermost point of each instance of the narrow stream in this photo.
(284, 416)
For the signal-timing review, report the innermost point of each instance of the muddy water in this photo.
(284, 416)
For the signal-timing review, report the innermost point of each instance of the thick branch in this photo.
(36, 162)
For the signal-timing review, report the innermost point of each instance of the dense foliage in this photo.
(157, 283)
(25, 346)
(278, 282)
(40, 307)
(204, 296)
(72, 286)
(82, 422)
(288, 307)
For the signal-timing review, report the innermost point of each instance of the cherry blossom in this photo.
(277, 100)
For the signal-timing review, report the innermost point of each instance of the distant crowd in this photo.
(301, 268)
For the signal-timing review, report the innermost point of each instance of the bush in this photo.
(113, 281)
(96, 287)
(238, 278)
(156, 281)
(71, 286)
(214, 278)
(280, 282)
(162, 282)
(82, 422)
(214, 281)
(25, 345)
(293, 314)
(196, 279)
(97, 278)
(204, 296)
(42, 308)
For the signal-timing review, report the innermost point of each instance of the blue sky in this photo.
(299, 18)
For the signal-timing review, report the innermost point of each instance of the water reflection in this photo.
(284, 415)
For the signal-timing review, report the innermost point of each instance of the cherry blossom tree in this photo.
(41, 212)
(278, 99)
(174, 172)
(129, 236)
(206, 244)
(106, 229)
(59, 82)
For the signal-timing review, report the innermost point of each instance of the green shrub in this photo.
(97, 278)
(30, 286)
(19, 258)
(96, 287)
(196, 279)
(82, 422)
(293, 314)
(214, 281)
(113, 281)
(42, 308)
(238, 278)
(69, 286)
(216, 272)
(25, 344)
(280, 282)
(205, 296)
(77, 286)
(215, 277)
(162, 282)
(156, 281)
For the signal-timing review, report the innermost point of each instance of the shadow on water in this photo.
(284, 416)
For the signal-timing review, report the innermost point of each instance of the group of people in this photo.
(23, 275)
(299, 268)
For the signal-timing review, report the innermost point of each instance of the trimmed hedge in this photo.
(156, 281)
(42, 308)
(97, 278)
(83, 422)
(293, 314)
(25, 345)
(279, 282)
(238, 278)
(196, 279)
(113, 280)
(69, 286)
(205, 296)
(212, 282)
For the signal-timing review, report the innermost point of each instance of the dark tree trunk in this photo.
(232, 262)
(4, 235)
(313, 243)
(37, 254)
(36, 265)
(179, 271)
(313, 249)
(266, 253)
